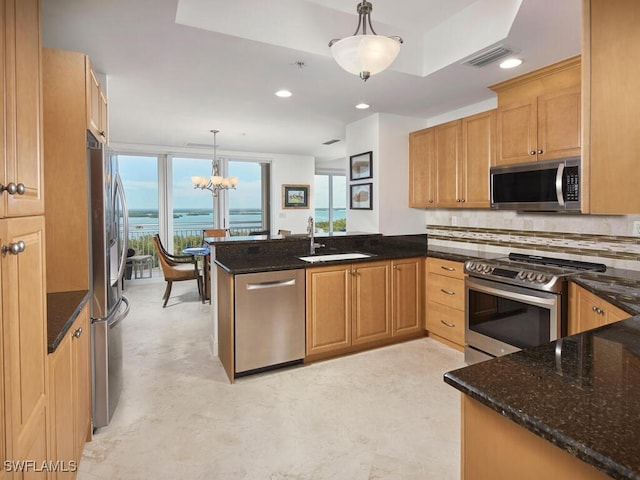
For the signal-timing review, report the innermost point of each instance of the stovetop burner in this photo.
(531, 271)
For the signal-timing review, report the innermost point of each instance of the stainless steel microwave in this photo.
(548, 186)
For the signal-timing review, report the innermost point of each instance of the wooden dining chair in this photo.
(213, 232)
(177, 268)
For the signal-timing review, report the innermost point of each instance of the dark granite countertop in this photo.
(62, 310)
(619, 287)
(581, 393)
(262, 256)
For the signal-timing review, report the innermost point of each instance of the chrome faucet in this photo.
(311, 231)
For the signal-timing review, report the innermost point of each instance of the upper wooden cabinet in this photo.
(422, 150)
(20, 144)
(97, 118)
(449, 164)
(448, 140)
(611, 104)
(65, 147)
(539, 114)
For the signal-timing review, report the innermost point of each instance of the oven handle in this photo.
(542, 299)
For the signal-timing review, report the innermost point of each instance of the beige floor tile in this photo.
(382, 414)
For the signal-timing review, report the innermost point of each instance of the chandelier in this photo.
(365, 54)
(215, 182)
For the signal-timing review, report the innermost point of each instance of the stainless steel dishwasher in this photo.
(269, 319)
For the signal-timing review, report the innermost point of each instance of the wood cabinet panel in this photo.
(539, 114)
(587, 311)
(24, 336)
(445, 267)
(422, 168)
(495, 448)
(371, 297)
(22, 162)
(559, 124)
(65, 148)
(446, 322)
(328, 308)
(82, 379)
(96, 101)
(70, 396)
(612, 103)
(446, 291)
(479, 154)
(517, 132)
(407, 297)
(448, 139)
(445, 298)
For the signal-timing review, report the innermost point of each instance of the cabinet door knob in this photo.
(77, 332)
(540, 152)
(430, 201)
(13, 188)
(532, 152)
(13, 248)
(462, 200)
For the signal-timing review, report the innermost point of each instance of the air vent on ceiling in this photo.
(200, 145)
(489, 56)
(331, 142)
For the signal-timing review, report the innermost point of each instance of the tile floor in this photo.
(382, 414)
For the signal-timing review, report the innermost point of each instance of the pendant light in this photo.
(215, 182)
(365, 54)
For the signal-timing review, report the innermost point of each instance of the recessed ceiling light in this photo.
(283, 93)
(362, 106)
(511, 63)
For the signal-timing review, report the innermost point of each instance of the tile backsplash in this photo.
(603, 239)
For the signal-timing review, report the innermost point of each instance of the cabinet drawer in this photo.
(445, 267)
(446, 291)
(445, 322)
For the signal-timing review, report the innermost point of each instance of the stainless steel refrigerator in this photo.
(109, 233)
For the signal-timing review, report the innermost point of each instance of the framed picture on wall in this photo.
(295, 196)
(361, 196)
(361, 166)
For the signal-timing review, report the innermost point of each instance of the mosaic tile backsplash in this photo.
(555, 235)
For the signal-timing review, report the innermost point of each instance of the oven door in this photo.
(502, 318)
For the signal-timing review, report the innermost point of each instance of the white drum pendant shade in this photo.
(365, 53)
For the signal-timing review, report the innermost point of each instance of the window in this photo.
(330, 200)
(139, 175)
(249, 204)
(192, 210)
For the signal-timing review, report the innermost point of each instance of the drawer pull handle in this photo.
(447, 324)
(447, 292)
(448, 269)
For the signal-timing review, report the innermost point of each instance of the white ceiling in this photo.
(178, 68)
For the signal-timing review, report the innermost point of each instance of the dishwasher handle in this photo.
(272, 284)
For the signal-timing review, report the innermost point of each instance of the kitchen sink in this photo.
(335, 256)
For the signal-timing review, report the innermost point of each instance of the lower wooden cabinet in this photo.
(359, 304)
(445, 301)
(23, 377)
(587, 311)
(70, 397)
(407, 298)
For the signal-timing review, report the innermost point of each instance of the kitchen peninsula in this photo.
(351, 304)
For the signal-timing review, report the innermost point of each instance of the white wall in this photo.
(296, 170)
(387, 136)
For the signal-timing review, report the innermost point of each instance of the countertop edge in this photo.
(565, 443)
(53, 302)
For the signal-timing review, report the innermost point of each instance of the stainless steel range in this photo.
(516, 302)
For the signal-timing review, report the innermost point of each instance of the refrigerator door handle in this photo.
(117, 319)
(119, 193)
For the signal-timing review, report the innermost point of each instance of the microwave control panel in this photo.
(572, 185)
